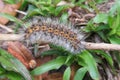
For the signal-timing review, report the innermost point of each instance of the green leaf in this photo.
(81, 61)
(59, 9)
(24, 4)
(115, 8)
(34, 12)
(80, 73)
(64, 18)
(6, 64)
(11, 1)
(11, 18)
(51, 10)
(102, 27)
(114, 26)
(67, 73)
(51, 52)
(55, 2)
(12, 64)
(69, 59)
(49, 1)
(102, 35)
(53, 64)
(2, 70)
(106, 56)
(101, 1)
(90, 64)
(101, 18)
(114, 39)
(13, 76)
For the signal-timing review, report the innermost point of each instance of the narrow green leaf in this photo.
(102, 35)
(13, 76)
(102, 27)
(11, 18)
(80, 73)
(69, 58)
(90, 64)
(115, 25)
(6, 64)
(106, 56)
(34, 12)
(67, 73)
(59, 9)
(53, 64)
(12, 64)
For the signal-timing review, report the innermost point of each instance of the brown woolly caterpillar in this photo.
(51, 30)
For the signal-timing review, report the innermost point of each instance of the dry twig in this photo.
(6, 28)
(11, 36)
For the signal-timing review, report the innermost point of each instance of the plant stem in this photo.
(101, 46)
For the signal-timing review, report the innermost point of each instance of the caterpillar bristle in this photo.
(51, 30)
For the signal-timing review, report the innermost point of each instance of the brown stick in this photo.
(101, 46)
(11, 36)
(6, 28)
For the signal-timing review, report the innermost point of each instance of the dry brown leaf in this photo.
(19, 51)
(9, 9)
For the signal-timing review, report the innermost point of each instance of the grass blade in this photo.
(66, 75)
(53, 64)
(90, 64)
(80, 73)
(12, 64)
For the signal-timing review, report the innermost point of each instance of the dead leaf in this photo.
(9, 9)
(19, 57)
(19, 51)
